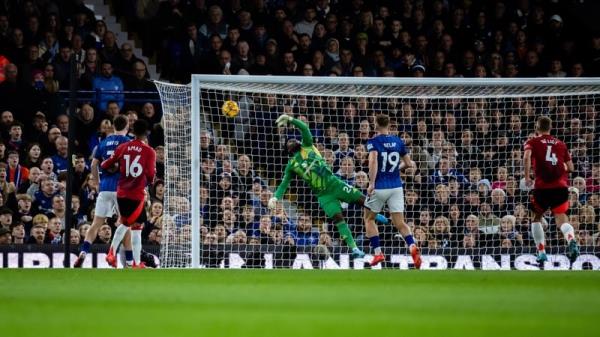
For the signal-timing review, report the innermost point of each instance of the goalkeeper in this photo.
(307, 163)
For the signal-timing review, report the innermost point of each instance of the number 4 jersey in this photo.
(548, 158)
(137, 165)
(390, 150)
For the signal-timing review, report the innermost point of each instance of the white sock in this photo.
(118, 237)
(122, 256)
(136, 243)
(377, 251)
(568, 231)
(538, 236)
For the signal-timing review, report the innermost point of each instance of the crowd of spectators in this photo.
(37, 40)
(467, 190)
(439, 38)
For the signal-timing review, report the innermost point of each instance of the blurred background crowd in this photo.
(466, 192)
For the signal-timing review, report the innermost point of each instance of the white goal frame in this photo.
(498, 86)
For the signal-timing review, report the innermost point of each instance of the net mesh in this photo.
(466, 201)
(176, 242)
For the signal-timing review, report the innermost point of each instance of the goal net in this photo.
(466, 201)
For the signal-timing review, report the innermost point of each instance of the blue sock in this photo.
(86, 247)
(128, 255)
(374, 240)
(409, 240)
(381, 219)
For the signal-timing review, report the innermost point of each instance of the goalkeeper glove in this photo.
(284, 120)
(272, 203)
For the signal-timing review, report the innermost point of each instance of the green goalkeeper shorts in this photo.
(337, 192)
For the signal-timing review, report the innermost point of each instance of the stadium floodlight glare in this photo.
(473, 128)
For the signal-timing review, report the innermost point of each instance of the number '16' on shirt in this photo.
(137, 165)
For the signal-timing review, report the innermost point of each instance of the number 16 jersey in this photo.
(137, 165)
(548, 157)
(390, 150)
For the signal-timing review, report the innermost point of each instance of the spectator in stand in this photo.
(110, 87)
(215, 25)
(38, 235)
(593, 182)
(43, 198)
(306, 235)
(445, 171)
(441, 232)
(16, 142)
(343, 150)
(104, 235)
(110, 49)
(62, 66)
(6, 217)
(140, 79)
(124, 63)
(60, 158)
(507, 230)
(18, 233)
(85, 125)
(16, 173)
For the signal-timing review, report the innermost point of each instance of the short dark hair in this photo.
(382, 120)
(544, 124)
(140, 128)
(120, 123)
(15, 224)
(5, 210)
(17, 123)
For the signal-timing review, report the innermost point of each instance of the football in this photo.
(230, 109)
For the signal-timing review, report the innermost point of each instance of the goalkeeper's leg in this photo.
(333, 209)
(346, 235)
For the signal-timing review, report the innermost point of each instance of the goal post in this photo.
(466, 136)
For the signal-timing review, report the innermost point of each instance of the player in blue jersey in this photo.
(385, 186)
(106, 203)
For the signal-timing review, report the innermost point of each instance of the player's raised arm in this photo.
(284, 120)
(285, 183)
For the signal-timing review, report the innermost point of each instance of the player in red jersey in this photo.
(137, 164)
(552, 163)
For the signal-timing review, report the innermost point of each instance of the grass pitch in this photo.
(245, 303)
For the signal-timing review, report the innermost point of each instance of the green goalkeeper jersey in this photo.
(308, 164)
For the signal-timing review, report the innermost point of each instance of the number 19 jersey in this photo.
(137, 165)
(390, 150)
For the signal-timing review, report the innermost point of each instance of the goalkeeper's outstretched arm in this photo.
(307, 139)
(285, 182)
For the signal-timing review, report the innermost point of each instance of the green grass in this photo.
(265, 303)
